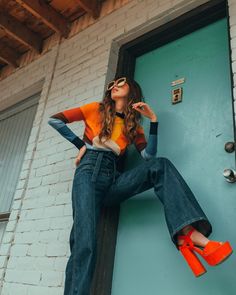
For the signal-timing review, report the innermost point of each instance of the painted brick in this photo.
(51, 278)
(56, 249)
(37, 192)
(10, 288)
(34, 182)
(18, 195)
(64, 235)
(45, 170)
(7, 238)
(59, 188)
(14, 215)
(53, 211)
(24, 226)
(51, 178)
(61, 223)
(56, 158)
(19, 250)
(12, 262)
(60, 263)
(67, 210)
(26, 237)
(45, 263)
(2, 261)
(39, 290)
(23, 276)
(41, 224)
(63, 198)
(48, 236)
(24, 263)
(37, 249)
(45, 201)
(10, 226)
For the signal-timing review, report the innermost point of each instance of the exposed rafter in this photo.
(25, 24)
(47, 14)
(17, 30)
(92, 7)
(8, 55)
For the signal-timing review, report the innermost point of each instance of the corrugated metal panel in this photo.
(15, 127)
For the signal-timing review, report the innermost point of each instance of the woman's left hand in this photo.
(82, 151)
(145, 110)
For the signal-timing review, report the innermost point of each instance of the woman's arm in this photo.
(65, 131)
(59, 120)
(150, 151)
(147, 149)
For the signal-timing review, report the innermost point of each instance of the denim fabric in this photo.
(97, 183)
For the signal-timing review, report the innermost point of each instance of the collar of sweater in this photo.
(121, 115)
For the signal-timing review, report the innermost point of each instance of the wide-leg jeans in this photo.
(97, 183)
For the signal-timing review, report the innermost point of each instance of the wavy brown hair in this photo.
(132, 117)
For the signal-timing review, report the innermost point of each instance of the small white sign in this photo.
(177, 82)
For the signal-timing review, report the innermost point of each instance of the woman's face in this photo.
(120, 92)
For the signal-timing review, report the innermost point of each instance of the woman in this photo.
(110, 126)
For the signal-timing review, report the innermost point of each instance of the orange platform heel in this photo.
(186, 250)
(213, 253)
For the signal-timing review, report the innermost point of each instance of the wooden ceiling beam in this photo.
(8, 55)
(20, 32)
(91, 6)
(47, 14)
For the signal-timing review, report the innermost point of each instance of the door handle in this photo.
(230, 147)
(230, 175)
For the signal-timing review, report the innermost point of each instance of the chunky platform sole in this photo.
(194, 263)
(219, 255)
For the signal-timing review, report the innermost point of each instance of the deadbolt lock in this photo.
(177, 95)
(230, 175)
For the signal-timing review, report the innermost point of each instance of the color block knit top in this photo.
(118, 142)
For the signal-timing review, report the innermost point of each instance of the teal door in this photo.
(192, 134)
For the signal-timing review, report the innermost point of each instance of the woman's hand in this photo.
(145, 110)
(80, 155)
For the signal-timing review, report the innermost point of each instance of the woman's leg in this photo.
(69, 266)
(92, 179)
(86, 211)
(180, 205)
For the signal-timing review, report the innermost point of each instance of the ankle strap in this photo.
(186, 238)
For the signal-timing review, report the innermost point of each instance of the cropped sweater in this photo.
(118, 142)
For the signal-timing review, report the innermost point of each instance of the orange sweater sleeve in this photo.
(80, 113)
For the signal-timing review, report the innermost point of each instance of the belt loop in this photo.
(97, 167)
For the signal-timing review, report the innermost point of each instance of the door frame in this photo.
(198, 17)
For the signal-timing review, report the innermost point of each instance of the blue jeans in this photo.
(97, 183)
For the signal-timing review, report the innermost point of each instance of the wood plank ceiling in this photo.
(25, 24)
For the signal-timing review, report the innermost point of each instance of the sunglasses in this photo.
(120, 82)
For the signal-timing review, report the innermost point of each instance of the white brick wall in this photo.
(35, 246)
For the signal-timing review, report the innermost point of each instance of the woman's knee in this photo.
(164, 159)
(159, 160)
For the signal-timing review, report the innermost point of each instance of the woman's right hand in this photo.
(80, 155)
